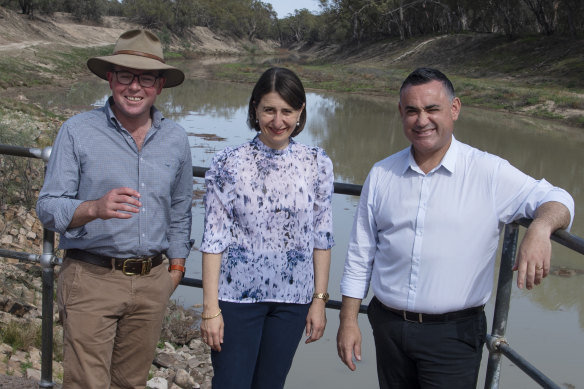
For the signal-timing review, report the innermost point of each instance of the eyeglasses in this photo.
(145, 80)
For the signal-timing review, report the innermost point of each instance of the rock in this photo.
(182, 379)
(35, 358)
(164, 360)
(6, 239)
(157, 383)
(5, 349)
(193, 362)
(15, 308)
(33, 374)
(169, 346)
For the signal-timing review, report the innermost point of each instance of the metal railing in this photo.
(497, 344)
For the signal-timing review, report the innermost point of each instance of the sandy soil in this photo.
(11, 382)
(22, 37)
(19, 33)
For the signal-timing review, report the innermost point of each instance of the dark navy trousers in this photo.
(436, 355)
(259, 343)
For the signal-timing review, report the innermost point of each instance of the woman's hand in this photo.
(211, 318)
(316, 320)
(212, 331)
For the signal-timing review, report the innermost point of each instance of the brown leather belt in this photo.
(129, 266)
(433, 317)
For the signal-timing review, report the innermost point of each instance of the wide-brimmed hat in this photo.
(137, 49)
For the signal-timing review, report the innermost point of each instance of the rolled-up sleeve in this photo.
(323, 211)
(362, 247)
(519, 195)
(57, 203)
(219, 181)
(180, 208)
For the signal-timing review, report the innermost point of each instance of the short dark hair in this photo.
(287, 84)
(422, 76)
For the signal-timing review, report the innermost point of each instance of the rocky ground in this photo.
(182, 359)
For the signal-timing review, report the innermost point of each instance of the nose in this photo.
(278, 119)
(135, 84)
(422, 119)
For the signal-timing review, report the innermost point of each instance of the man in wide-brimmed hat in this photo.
(118, 189)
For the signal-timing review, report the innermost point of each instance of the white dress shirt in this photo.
(427, 242)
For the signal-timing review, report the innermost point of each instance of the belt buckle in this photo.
(146, 266)
(405, 315)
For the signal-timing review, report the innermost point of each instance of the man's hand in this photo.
(533, 257)
(176, 276)
(349, 334)
(535, 250)
(118, 203)
(349, 344)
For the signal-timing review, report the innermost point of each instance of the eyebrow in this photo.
(427, 107)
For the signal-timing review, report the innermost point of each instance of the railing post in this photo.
(502, 305)
(48, 277)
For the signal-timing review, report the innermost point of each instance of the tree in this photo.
(546, 13)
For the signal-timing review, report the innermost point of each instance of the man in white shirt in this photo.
(425, 237)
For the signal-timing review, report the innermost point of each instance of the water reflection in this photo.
(356, 131)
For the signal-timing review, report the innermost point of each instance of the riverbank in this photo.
(533, 76)
(182, 360)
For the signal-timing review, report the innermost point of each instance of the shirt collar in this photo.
(448, 161)
(270, 151)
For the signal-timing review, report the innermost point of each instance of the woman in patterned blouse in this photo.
(267, 240)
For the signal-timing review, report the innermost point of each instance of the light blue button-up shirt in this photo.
(427, 242)
(94, 154)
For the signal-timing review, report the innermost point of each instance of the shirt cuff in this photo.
(178, 250)
(354, 288)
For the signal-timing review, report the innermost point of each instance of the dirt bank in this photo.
(533, 76)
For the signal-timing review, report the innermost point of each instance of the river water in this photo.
(546, 325)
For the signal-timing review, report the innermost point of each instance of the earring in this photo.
(257, 121)
(297, 124)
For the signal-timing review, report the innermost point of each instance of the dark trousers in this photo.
(259, 344)
(413, 355)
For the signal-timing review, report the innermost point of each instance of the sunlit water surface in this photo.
(545, 324)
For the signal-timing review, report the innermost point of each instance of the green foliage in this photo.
(355, 21)
(18, 180)
(21, 336)
(90, 10)
(24, 366)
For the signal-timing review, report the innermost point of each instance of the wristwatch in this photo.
(323, 296)
(180, 268)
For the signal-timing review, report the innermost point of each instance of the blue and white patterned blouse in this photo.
(266, 210)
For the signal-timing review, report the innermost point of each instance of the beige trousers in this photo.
(111, 324)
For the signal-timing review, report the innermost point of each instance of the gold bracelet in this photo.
(210, 317)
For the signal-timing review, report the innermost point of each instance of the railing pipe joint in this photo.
(494, 343)
(46, 153)
(47, 260)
